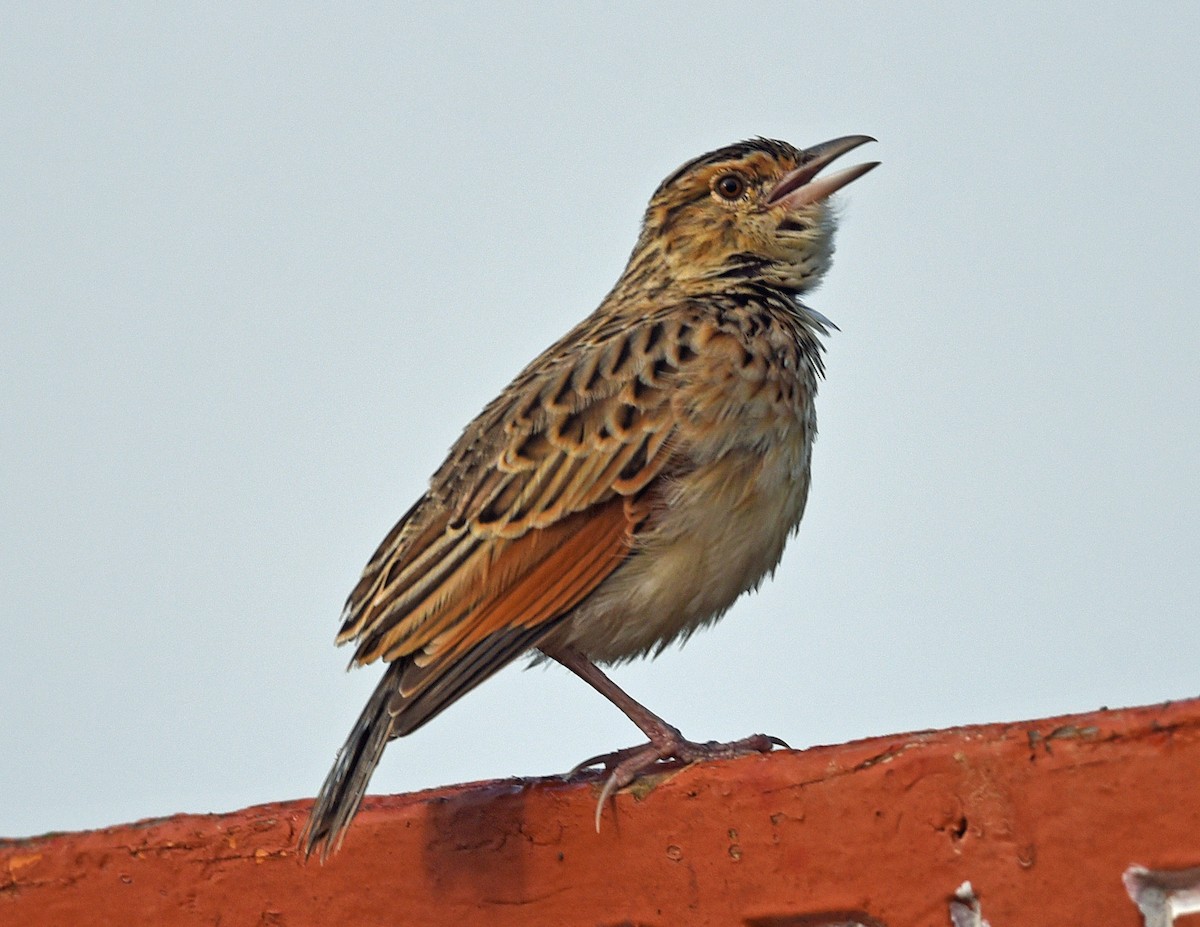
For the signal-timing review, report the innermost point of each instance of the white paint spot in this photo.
(1163, 894)
(965, 910)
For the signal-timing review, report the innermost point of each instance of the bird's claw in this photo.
(608, 760)
(624, 766)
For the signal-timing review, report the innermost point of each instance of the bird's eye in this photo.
(730, 186)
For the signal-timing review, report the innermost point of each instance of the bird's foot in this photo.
(669, 749)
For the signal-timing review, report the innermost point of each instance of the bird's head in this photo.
(756, 210)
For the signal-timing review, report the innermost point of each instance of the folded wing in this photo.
(538, 502)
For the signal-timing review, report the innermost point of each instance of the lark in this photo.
(635, 479)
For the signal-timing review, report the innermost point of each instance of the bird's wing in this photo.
(536, 504)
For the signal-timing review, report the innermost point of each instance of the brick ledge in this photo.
(1042, 817)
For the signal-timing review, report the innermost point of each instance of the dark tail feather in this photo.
(389, 714)
(343, 789)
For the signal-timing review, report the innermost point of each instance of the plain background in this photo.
(261, 263)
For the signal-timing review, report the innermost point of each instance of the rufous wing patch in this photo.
(542, 575)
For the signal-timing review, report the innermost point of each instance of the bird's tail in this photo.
(343, 789)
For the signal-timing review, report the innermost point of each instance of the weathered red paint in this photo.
(1042, 817)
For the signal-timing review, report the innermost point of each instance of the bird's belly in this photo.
(720, 530)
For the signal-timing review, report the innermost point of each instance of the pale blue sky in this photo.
(258, 266)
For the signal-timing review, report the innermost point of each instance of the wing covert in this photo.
(542, 470)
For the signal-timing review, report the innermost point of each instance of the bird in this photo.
(628, 485)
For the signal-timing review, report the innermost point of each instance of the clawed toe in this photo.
(624, 766)
(712, 750)
(609, 761)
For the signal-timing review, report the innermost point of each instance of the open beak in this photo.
(802, 186)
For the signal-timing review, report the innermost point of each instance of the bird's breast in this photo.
(744, 427)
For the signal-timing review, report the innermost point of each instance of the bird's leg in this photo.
(666, 741)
